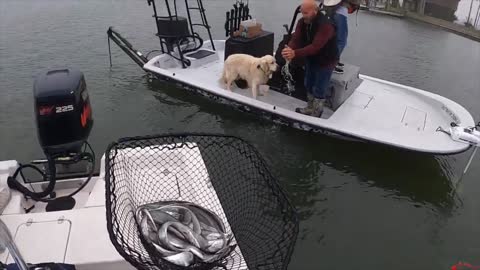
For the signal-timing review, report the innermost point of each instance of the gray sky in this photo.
(464, 7)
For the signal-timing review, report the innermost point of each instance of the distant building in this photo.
(442, 9)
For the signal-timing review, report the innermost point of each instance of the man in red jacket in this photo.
(314, 40)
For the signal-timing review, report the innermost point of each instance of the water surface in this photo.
(362, 206)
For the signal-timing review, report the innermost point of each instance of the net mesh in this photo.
(221, 173)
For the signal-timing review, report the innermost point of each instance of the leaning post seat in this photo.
(257, 46)
(177, 33)
(172, 29)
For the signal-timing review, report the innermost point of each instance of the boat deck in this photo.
(80, 236)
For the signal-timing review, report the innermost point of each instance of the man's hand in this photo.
(288, 53)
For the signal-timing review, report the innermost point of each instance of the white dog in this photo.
(256, 71)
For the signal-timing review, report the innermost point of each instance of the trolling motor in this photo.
(470, 135)
(466, 135)
(64, 121)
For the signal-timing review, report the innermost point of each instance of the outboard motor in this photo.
(64, 121)
(62, 111)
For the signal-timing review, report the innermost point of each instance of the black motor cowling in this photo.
(62, 110)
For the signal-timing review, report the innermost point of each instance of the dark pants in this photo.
(317, 79)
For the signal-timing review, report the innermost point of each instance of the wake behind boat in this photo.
(361, 107)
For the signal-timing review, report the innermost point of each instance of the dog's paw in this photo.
(264, 90)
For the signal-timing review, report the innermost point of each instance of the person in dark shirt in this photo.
(314, 40)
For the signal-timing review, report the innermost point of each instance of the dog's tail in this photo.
(223, 78)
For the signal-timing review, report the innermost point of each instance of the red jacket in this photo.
(323, 35)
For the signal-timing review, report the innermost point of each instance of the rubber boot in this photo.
(318, 105)
(309, 109)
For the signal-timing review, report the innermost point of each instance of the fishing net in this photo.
(221, 173)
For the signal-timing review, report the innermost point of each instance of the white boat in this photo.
(69, 216)
(377, 110)
(100, 231)
(80, 236)
(363, 107)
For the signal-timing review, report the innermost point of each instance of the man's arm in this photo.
(295, 40)
(323, 35)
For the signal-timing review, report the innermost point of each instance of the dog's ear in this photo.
(265, 65)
